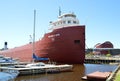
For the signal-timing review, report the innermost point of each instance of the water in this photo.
(78, 72)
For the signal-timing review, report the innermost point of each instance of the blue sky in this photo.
(101, 17)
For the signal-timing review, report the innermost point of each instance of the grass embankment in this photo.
(117, 77)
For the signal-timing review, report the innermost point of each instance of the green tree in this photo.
(108, 55)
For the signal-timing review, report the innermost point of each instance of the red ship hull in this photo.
(64, 45)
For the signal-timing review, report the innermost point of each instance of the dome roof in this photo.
(106, 44)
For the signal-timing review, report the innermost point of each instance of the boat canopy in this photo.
(35, 57)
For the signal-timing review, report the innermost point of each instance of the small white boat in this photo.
(51, 67)
(46, 68)
(39, 67)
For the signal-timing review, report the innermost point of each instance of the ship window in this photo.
(84, 33)
(65, 15)
(69, 22)
(77, 41)
(54, 24)
(74, 22)
(60, 22)
(63, 22)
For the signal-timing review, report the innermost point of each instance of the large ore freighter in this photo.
(64, 44)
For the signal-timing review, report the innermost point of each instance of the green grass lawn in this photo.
(117, 77)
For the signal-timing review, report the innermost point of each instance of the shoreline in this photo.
(114, 73)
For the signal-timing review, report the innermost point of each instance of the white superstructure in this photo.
(65, 20)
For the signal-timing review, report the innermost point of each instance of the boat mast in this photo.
(34, 32)
(59, 11)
